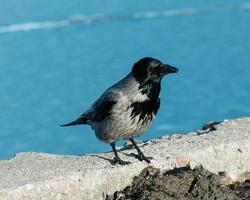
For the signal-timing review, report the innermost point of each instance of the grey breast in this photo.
(119, 124)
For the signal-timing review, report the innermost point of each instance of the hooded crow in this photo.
(127, 109)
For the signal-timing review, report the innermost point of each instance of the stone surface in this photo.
(224, 148)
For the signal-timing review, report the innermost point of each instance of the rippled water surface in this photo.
(56, 57)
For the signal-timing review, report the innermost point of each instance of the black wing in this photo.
(102, 110)
(98, 111)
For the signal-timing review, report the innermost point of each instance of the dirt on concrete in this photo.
(181, 183)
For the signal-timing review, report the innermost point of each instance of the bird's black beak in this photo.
(167, 69)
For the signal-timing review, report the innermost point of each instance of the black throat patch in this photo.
(145, 109)
(152, 89)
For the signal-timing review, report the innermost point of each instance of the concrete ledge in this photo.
(45, 176)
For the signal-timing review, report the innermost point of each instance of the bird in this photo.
(127, 109)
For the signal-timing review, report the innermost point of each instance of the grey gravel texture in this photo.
(224, 148)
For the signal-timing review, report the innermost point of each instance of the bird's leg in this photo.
(140, 155)
(117, 159)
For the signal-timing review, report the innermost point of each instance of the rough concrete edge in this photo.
(116, 178)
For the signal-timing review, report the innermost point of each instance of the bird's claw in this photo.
(118, 160)
(141, 157)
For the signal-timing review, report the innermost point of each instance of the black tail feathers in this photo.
(81, 120)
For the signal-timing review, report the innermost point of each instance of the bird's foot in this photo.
(141, 157)
(118, 160)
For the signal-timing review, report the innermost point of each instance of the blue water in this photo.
(57, 57)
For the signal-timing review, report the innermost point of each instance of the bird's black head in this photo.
(150, 69)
